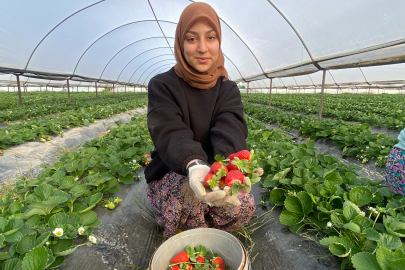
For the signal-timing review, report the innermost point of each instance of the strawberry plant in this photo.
(21, 131)
(359, 220)
(41, 104)
(354, 140)
(41, 217)
(375, 110)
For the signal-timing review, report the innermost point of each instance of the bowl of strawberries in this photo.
(201, 249)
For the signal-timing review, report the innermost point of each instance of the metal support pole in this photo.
(88, 89)
(77, 89)
(96, 91)
(271, 82)
(19, 90)
(40, 88)
(323, 87)
(113, 90)
(68, 90)
(247, 93)
(8, 88)
(134, 90)
(125, 89)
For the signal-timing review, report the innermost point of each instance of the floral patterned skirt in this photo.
(395, 178)
(176, 207)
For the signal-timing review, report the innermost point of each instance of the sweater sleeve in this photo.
(172, 138)
(229, 131)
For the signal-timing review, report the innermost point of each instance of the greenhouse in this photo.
(322, 84)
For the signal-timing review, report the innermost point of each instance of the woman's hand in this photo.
(196, 177)
(233, 200)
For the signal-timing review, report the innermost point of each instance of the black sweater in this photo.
(187, 123)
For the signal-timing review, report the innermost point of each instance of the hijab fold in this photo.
(183, 69)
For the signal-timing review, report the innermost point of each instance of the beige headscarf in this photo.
(194, 78)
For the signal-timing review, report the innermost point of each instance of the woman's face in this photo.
(201, 46)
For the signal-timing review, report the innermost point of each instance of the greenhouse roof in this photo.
(128, 42)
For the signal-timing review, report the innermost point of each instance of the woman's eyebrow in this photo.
(195, 33)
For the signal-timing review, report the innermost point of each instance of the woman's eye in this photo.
(211, 37)
(191, 39)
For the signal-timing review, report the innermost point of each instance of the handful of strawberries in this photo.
(232, 171)
(197, 258)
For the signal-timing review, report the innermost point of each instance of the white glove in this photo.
(233, 200)
(196, 177)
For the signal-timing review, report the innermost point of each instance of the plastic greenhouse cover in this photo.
(128, 42)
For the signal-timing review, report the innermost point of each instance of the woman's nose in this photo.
(202, 46)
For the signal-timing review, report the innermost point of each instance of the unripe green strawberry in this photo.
(111, 206)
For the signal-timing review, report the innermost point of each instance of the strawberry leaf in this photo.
(235, 189)
(221, 172)
(213, 183)
(242, 164)
(219, 158)
(254, 178)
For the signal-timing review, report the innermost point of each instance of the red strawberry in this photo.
(222, 183)
(234, 176)
(216, 166)
(175, 267)
(220, 262)
(231, 166)
(207, 178)
(190, 267)
(200, 259)
(182, 256)
(244, 154)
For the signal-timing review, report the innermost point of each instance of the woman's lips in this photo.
(202, 60)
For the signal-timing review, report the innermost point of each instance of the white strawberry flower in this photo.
(329, 224)
(58, 232)
(93, 239)
(80, 231)
(383, 146)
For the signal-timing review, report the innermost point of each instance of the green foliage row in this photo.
(376, 110)
(21, 131)
(361, 221)
(40, 104)
(41, 217)
(355, 140)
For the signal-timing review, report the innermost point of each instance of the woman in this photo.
(395, 178)
(195, 113)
